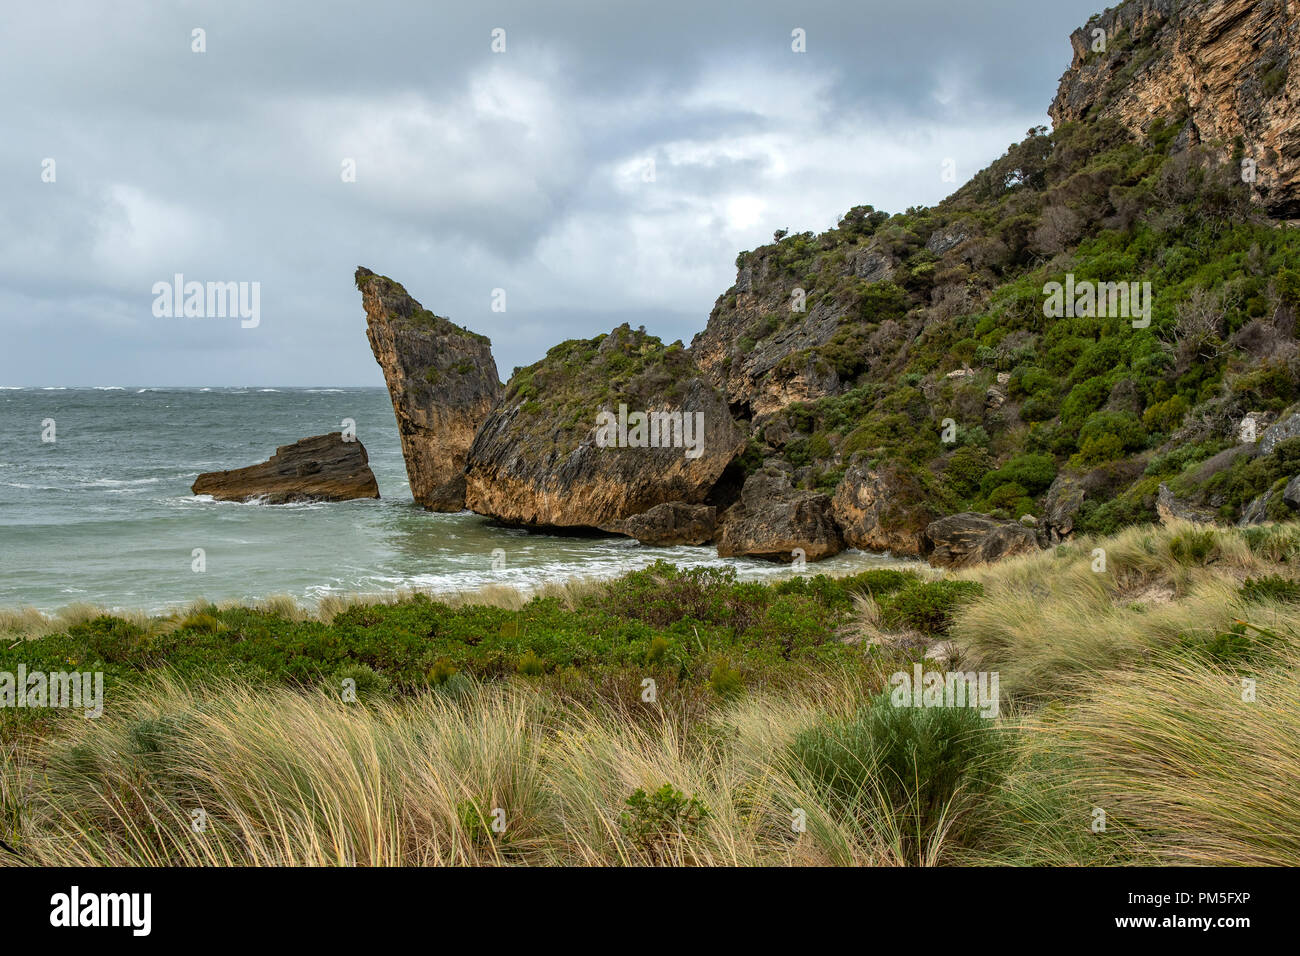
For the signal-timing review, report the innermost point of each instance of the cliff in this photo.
(1226, 68)
(442, 380)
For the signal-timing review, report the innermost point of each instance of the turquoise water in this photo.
(104, 514)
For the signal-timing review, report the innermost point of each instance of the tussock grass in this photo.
(1049, 618)
(1125, 689)
(289, 778)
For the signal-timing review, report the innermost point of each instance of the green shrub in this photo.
(1194, 546)
(1271, 587)
(654, 821)
(928, 606)
(910, 762)
(725, 681)
(1033, 472)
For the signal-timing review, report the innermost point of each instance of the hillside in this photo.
(924, 352)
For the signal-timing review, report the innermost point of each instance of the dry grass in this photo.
(305, 779)
(1111, 711)
(1048, 619)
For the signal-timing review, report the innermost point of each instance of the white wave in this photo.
(118, 482)
(109, 388)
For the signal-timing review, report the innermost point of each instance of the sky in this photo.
(600, 162)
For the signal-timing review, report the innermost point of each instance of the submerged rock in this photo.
(323, 468)
(773, 520)
(442, 380)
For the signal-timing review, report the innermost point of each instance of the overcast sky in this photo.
(526, 170)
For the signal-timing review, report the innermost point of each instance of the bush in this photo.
(929, 606)
(1194, 546)
(1271, 587)
(654, 821)
(725, 681)
(1033, 472)
(910, 762)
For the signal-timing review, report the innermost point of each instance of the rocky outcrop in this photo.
(775, 521)
(966, 539)
(598, 431)
(323, 468)
(1288, 427)
(881, 510)
(442, 380)
(1064, 499)
(752, 348)
(671, 523)
(1170, 508)
(1231, 62)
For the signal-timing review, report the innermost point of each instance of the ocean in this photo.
(103, 513)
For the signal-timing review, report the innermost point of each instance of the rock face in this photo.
(881, 510)
(671, 523)
(750, 347)
(1170, 508)
(1288, 427)
(773, 519)
(542, 459)
(442, 380)
(323, 468)
(962, 540)
(1231, 61)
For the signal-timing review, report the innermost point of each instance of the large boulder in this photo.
(598, 431)
(881, 510)
(671, 523)
(1064, 499)
(1291, 493)
(323, 468)
(442, 380)
(775, 521)
(962, 540)
(1288, 427)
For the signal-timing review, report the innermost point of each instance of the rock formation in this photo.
(773, 520)
(962, 540)
(542, 459)
(881, 510)
(323, 468)
(442, 380)
(1170, 508)
(671, 523)
(1227, 66)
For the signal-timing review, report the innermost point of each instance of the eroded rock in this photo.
(776, 521)
(881, 510)
(442, 380)
(322, 468)
(966, 539)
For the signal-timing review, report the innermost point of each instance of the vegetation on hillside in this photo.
(1130, 407)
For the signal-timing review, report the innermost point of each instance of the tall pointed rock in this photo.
(442, 380)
